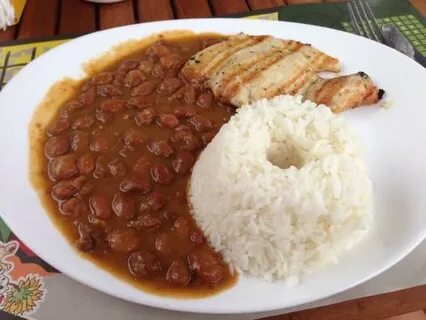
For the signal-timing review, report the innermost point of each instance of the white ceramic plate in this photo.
(396, 155)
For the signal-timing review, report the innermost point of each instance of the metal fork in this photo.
(364, 21)
(365, 24)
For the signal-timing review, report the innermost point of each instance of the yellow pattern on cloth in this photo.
(10, 12)
(24, 296)
(266, 16)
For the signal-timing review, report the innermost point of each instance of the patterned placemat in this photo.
(409, 25)
(31, 288)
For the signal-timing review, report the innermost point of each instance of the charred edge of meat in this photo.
(363, 74)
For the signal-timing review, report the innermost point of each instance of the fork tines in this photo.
(363, 20)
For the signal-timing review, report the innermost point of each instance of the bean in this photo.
(146, 66)
(200, 123)
(117, 168)
(167, 120)
(79, 141)
(143, 263)
(161, 174)
(158, 49)
(100, 207)
(196, 236)
(86, 163)
(119, 77)
(83, 122)
(85, 240)
(178, 273)
(171, 61)
(205, 100)
(143, 89)
(73, 207)
(112, 105)
(160, 148)
(164, 243)
(88, 97)
(189, 94)
(133, 78)
(103, 78)
(183, 162)
(153, 202)
(169, 85)
(104, 117)
(86, 188)
(158, 71)
(124, 206)
(185, 140)
(67, 188)
(101, 167)
(138, 102)
(142, 166)
(142, 184)
(109, 90)
(134, 136)
(185, 111)
(145, 117)
(146, 223)
(63, 167)
(128, 65)
(59, 126)
(99, 144)
(206, 265)
(123, 240)
(56, 146)
(69, 108)
(181, 228)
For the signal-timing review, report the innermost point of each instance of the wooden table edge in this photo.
(378, 306)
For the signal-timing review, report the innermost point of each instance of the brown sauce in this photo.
(111, 164)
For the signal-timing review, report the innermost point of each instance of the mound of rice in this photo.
(282, 189)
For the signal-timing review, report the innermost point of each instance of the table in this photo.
(45, 18)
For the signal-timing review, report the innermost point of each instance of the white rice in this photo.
(282, 189)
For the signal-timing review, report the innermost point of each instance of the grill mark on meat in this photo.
(221, 58)
(261, 64)
(328, 90)
(296, 82)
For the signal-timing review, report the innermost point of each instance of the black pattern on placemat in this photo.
(8, 316)
(33, 53)
(4, 69)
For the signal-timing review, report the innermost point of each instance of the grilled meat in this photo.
(244, 68)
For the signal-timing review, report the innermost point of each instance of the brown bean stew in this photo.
(118, 158)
